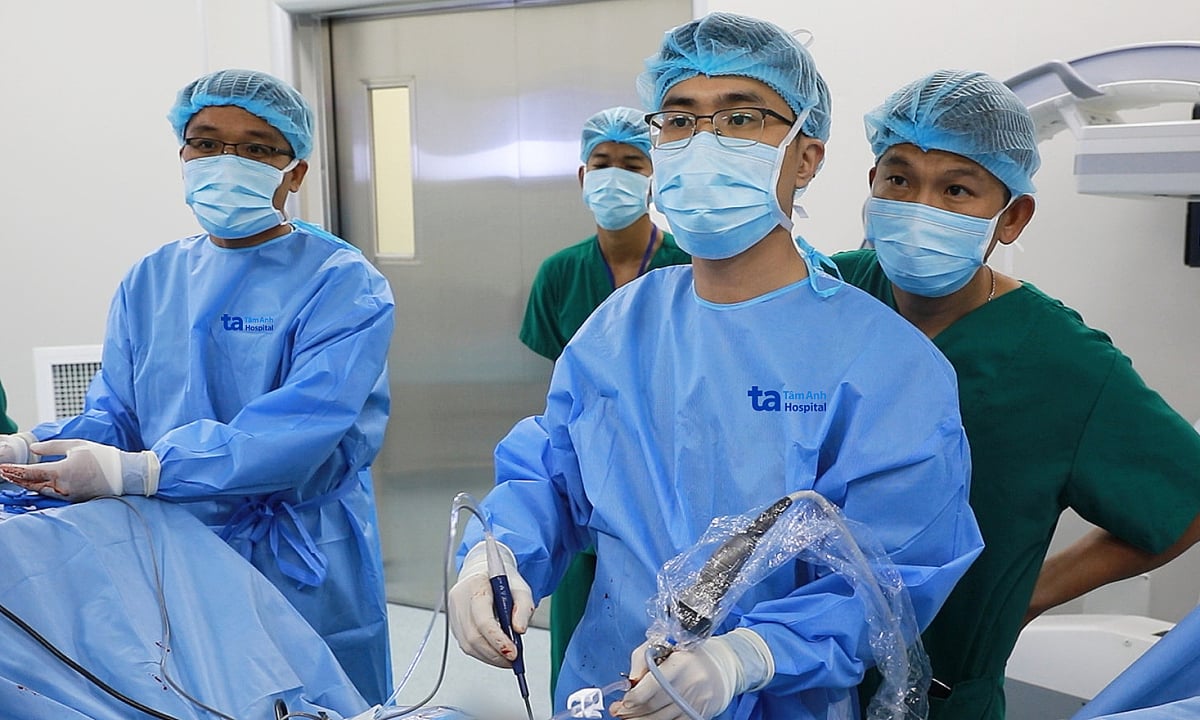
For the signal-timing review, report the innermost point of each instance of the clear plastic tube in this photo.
(462, 501)
(653, 658)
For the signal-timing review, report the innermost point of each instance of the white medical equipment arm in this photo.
(1114, 157)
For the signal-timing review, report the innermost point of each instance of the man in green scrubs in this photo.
(1056, 415)
(571, 283)
(615, 177)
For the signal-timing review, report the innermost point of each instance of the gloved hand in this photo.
(472, 617)
(15, 448)
(89, 470)
(707, 677)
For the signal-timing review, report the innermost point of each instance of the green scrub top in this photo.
(568, 286)
(1056, 417)
(572, 283)
(7, 426)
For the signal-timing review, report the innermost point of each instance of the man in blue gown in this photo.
(244, 375)
(710, 390)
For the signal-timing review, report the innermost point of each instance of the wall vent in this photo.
(61, 379)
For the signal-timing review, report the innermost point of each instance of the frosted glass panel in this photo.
(391, 142)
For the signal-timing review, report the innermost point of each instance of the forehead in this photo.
(723, 91)
(617, 152)
(933, 161)
(232, 120)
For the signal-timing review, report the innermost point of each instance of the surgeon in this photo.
(716, 388)
(1055, 414)
(571, 283)
(244, 375)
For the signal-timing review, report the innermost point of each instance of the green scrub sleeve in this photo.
(538, 327)
(1137, 471)
(7, 426)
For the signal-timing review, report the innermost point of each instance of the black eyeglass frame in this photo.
(656, 128)
(268, 151)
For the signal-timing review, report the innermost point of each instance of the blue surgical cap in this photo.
(966, 113)
(721, 44)
(618, 124)
(255, 92)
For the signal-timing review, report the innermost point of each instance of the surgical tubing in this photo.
(815, 531)
(462, 501)
(654, 656)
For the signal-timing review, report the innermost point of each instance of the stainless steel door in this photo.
(498, 98)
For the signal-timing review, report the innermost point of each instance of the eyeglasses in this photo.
(206, 147)
(734, 127)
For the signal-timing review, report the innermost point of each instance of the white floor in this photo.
(482, 691)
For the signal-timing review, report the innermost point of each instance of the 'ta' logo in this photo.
(232, 322)
(765, 400)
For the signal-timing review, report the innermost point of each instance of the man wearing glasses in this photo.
(244, 375)
(715, 389)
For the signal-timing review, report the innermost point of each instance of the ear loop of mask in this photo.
(804, 36)
(798, 211)
(287, 200)
(785, 220)
(813, 258)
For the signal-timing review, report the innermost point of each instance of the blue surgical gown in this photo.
(1163, 683)
(94, 579)
(258, 377)
(665, 411)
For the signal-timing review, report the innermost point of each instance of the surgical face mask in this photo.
(924, 250)
(720, 201)
(233, 197)
(617, 197)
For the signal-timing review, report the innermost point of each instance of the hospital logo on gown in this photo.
(250, 323)
(794, 401)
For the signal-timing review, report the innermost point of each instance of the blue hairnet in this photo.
(255, 92)
(966, 113)
(726, 44)
(617, 124)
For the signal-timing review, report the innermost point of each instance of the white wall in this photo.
(91, 179)
(91, 172)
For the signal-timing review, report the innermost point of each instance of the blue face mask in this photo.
(617, 197)
(924, 250)
(233, 197)
(720, 201)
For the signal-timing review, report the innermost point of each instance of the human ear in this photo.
(1012, 223)
(812, 152)
(291, 183)
(298, 174)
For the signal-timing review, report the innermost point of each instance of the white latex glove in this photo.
(15, 449)
(472, 617)
(707, 676)
(89, 470)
